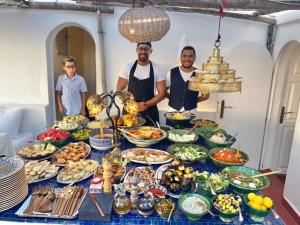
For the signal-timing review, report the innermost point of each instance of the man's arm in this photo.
(59, 102)
(161, 92)
(121, 84)
(167, 95)
(203, 97)
(83, 101)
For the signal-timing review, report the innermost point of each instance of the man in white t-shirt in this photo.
(180, 97)
(142, 77)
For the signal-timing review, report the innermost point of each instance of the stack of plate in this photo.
(13, 183)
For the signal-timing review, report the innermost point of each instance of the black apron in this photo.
(143, 90)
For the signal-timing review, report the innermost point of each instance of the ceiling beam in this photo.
(269, 5)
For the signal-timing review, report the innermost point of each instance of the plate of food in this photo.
(128, 121)
(37, 171)
(188, 153)
(180, 119)
(65, 125)
(204, 123)
(146, 156)
(77, 171)
(81, 135)
(240, 177)
(223, 157)
(54, 136)
(145, 136)
(72, 152)
(216, 138)
(182, 136)
(146, 175)
(37, 151)
(80, 119)
(177, 178)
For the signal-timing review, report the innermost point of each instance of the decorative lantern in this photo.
(144, 24)
(215, 75)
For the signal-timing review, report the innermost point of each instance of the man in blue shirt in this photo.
(71, 89)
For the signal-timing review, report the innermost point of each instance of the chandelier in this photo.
(144, 23)
(215, 75)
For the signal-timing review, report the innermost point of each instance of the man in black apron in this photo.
(180, 97)
(142, 77)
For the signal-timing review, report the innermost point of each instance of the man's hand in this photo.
(142, 106)
(61, 109)
(83, 112)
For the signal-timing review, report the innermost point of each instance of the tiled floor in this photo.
(276, 193)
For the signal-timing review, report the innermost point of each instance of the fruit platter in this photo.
(54, 136)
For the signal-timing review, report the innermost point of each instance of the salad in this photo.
(188, 152)
(246, 181)
(218, 181)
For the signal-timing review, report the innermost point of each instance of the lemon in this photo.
(258, 199)
(251, 196)
(268, 203)
(263, 208)
(255, 205)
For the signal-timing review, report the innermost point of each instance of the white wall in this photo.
(26, 73)
(200, 30)
(292, 182)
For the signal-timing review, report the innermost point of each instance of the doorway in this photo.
(75, 41)
(283, 108)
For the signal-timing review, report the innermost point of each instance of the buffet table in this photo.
(178, 218)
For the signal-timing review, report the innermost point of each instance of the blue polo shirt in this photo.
(71, 89)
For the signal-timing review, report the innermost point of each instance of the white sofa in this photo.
(24, 126)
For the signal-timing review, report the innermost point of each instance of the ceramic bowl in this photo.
(223, 164)
(99, 143)
(189, 214)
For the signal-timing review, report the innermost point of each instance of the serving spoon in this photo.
(136, 136)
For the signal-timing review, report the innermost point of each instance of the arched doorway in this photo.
(77, 42)
(283, 108)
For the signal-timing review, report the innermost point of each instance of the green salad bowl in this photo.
(204, 188)
(224, 216)
(198, 154)
(241, 188)
(207, 132)
(177, 136)
(223, 164)
(193, 215)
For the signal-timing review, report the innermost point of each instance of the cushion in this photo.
(10, 121)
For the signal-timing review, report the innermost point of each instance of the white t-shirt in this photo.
(142, 72)
(185, 76)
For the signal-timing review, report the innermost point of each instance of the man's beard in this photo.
(187, 67)
(143, 58)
